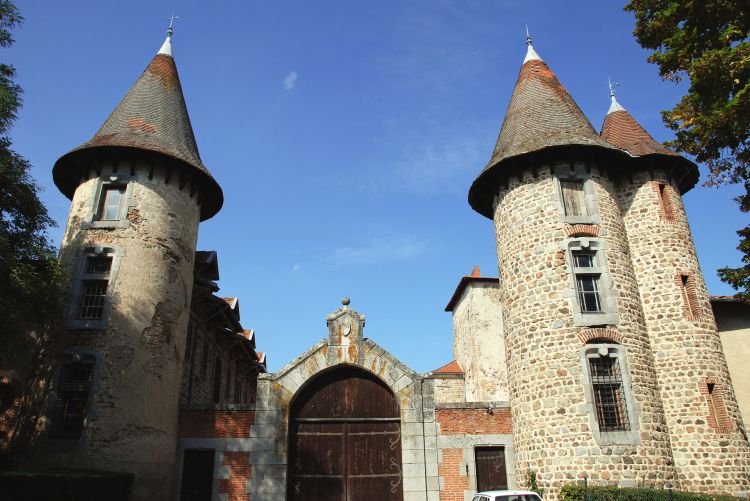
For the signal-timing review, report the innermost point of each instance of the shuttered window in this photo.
(573, 197)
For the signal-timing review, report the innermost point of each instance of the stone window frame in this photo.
(608, 295)
(74, 354)
(80, 275)
(576, 172)
(102, 184)
(633, 409)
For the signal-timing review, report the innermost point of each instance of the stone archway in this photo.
(345, 440)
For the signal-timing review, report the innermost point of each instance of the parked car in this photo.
(506, 496)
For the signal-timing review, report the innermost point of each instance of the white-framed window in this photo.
(111, 201)
(606, 380)
(576, 196)
(93, 288)
(591, 287)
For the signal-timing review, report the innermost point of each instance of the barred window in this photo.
(587, 281)
(609, 397)
(92, 299)
(74, 387)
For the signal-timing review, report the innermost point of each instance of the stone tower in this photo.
(706, 432)
(583, 388)
(138, 191)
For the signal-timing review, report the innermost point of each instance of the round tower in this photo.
(138, 191)
(581, 376)
(708, 439)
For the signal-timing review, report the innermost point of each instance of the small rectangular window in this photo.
(98, 265)
(689, 297)
(93, 295)
(69, 412)
(112, 197)
(666, 208)
(609, 397)
(574, 199)
(587, 281)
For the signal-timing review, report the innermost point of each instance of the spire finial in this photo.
(530, 52)
(615, 106)
(166, 47)
(172, 19)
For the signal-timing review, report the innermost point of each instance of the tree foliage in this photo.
(30, 277)
(707, 42)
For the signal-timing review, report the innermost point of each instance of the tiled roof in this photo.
(449, 368)
(152, 116)
(621, 130)
(541, 116)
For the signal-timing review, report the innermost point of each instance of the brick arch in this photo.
(608, 334)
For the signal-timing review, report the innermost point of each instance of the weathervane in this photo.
(612, 87)
(171, 22)
(528, 37)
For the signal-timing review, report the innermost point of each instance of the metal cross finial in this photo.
(528, 37)
(612, 87)
(171, 22)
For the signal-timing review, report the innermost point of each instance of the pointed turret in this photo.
(541, 116)
(622, 130)
(152, 118)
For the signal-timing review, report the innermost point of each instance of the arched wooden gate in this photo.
(345, 440)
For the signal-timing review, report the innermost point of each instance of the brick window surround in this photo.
(685, 281)
(718, 418)
(664, 194)
(604, 334)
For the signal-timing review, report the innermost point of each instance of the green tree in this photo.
(30, 276)
(707, 42)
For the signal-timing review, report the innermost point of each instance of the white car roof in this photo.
(505, 493)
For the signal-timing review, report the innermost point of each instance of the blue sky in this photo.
(345, 136)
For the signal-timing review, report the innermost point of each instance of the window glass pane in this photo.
(92, 299)
(583, 259)
(112, 198)
(588, 293)
(98, 265)
(573, 197)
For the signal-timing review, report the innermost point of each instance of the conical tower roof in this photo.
(541, 117)
(622, 130)
(152, 118)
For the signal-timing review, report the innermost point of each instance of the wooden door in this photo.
(345, 440)
(491, 473)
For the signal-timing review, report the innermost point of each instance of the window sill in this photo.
(617, 437)
(591, 319)
(100, 324)
(106, 225)
(582, 219)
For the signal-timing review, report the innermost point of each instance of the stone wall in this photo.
(132, 420)
(555, 426)
(684, 338)
(449, 389)
(478, 343)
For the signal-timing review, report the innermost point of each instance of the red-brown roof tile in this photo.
(449, 368)
(621, 130)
